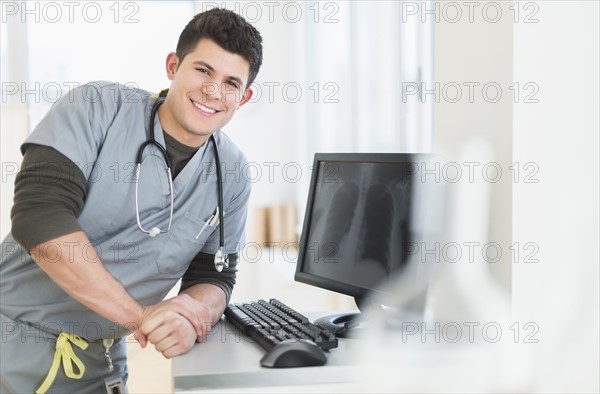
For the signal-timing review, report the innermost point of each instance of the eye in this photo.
(233, 84)
(202, 70)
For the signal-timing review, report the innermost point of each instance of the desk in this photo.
(228, 360)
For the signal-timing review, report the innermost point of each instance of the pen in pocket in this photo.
(203, 227)
(213, 221)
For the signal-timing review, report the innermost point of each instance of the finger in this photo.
(141, 338)
(183, 305)
(177, 337)
(154, 320)
(174, 346)
(178, 305)
(163, 331)
(173, 351)
(166, 343)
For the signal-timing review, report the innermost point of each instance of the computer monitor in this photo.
(359, 225)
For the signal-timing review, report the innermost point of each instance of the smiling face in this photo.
(207, 88)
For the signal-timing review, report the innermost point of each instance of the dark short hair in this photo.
(228, 30)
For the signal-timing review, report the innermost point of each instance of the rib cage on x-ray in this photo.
(363, 223)
(377, 226)
(340, 212)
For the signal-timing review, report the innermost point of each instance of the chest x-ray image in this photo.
(360, 227)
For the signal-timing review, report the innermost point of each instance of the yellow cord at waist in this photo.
(64, 352)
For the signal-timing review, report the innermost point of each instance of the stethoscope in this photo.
(221, 258)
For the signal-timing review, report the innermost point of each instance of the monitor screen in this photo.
(357, 228)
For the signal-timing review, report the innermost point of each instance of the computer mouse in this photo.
(294, 353)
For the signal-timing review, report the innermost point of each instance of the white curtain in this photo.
(371, 62)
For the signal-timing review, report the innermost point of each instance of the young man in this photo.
(95, 246)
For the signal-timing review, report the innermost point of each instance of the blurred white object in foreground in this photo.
(465, 340)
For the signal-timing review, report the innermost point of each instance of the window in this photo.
(372, 61)
(68, 44)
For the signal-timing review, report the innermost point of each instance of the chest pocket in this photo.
(186, 238)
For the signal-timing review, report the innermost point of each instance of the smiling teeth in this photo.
(203, 108)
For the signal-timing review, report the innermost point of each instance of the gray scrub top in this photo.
(100, 127)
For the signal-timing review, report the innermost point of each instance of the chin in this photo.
(202, 134)
(204, 128)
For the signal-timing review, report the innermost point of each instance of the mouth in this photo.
(204, 109)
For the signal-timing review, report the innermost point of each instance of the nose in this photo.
(211, 91)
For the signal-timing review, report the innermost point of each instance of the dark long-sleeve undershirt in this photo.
(50, 192)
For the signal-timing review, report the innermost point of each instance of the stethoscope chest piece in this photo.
(221, 260)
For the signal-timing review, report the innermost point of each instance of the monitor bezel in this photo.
(328, 283)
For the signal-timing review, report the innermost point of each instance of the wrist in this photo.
(211, 297)
(129, 314)
(200, 318)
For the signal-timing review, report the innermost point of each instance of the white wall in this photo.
(13, 118)
(548, 210)
(14, 130)
(267, 130)
(560, 213)
(473, 66)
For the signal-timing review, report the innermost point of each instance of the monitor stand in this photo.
(343, 325)
(349, 324)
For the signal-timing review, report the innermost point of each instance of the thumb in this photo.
(141, 338)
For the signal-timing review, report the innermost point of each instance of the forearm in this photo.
(76, 268)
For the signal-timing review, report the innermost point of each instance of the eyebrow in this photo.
(211, 68)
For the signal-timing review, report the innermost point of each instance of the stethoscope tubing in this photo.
(221, 258)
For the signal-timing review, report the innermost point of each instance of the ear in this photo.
(246, 97)
(172, 64)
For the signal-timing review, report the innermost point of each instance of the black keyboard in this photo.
(289, 338)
